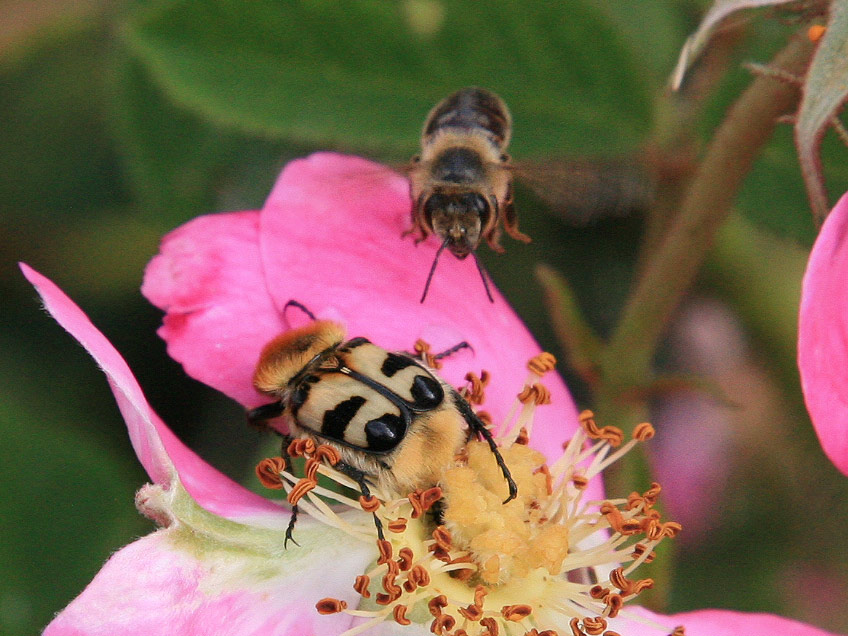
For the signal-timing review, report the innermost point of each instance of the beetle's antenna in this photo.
(301, 306)
(483, 276)
(433, 269)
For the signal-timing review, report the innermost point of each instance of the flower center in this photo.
(459, 558)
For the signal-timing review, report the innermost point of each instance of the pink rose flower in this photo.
(823, 335)
(330, 238)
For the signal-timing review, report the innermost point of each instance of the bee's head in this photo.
(458, 218)
(291, 352)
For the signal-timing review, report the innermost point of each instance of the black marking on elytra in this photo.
(336, 420)
(427, 392)
(394, 363)
(385, 432)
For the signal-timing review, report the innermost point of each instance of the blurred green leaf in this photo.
(773, 195)
(60, 521)
(825, 91)
(171, 156)
(364, 74)
(653, 32)
(57, 159)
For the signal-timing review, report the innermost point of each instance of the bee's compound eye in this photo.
(427, 392)
(384, 432)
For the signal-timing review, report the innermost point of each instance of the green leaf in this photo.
(365, 74)
(825, 91)
(696, 42)
(170, 155)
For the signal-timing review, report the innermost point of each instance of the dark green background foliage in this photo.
(122, 120)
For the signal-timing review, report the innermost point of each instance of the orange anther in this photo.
(536, 393)
(442, 537)
(385, 548)
(643, 432)
(330, 606)
(369, 503)
(399, 612)
(516, 612)
(328, 454)
(420, 575)
(397, 525)
(268, 471)
(542, 363)
(594, 626)
(405, 557)
(300, 489)
(491, 626)
(436, 604)
(441, 623)
(361, 585)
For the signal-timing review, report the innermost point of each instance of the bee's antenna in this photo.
(483, 276)
(433, 269)
(301, 306)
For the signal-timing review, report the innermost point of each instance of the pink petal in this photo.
(159, 450)
(208, 278)
(823, 335)
(160, 585)
(714, 622)
(330, 237)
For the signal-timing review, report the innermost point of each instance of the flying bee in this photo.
(393, 421)
(461, 183)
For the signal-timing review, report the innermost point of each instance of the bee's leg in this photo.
(493, 238)
(478, 428)
(453, 350)
(359, 477)
(511, 220)
(418, 225)
(261, 414)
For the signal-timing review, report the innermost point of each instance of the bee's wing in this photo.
(585, 190)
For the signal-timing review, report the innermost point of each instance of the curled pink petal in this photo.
(208, 278)
(161, 585)
(823, 336)
(161, 453)
(329, 236)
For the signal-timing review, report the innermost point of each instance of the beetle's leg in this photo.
(478, 428)
(301, 306)
(290, 529)
(359, 477)
(284, 453)
(258, 416)
(453, 350)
